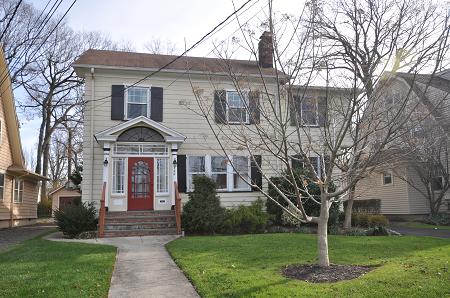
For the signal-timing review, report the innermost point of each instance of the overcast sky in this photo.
(139, 21)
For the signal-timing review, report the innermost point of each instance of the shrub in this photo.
(202, 213)
(378, 221)
(440, 219)
(365, 220)
(311, 207)
(75, 219)
(44, 208)
(355, 232)
(246, 219)
(360, 220)
(289, 220)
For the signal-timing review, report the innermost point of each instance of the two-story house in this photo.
(143, 128)
(19, 188)
(397, 182)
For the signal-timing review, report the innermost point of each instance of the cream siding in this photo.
(394, 197)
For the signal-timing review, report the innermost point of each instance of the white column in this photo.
(106, 165)
(173, 164)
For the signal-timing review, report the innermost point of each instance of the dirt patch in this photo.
(317, 274)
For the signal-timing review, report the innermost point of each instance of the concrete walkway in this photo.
(144, 268)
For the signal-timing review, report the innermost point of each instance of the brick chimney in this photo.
(265, 50)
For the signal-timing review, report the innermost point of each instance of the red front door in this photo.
(140, 183)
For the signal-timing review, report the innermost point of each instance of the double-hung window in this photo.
(196, 167)
(137, 102)
(118, 185)
(2, 185)
(387, 177)
(309, 111)
(227, 176)
(237, 103)
(162, 176)
(241, 173)
(437, 183)
(18, 191)
(219, 171)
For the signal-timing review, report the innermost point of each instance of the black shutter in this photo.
(220, 106)
(156, 106)
(254, 108)
(296, 162)
(117, 102)
(327, 161)
(181, 172)
(256, 175)
(322, 107)
(295, 106)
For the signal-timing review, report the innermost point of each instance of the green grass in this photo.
(423, 226)
(43, 268)
(249, 265)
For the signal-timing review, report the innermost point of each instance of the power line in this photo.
(179, 56)
(10, 20)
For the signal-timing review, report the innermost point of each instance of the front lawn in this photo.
(423, 226)
(249, 265)
(42, 268)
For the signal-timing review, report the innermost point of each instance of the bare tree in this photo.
(157, 46)
(366, 38)
(281, 130)
(58, 159)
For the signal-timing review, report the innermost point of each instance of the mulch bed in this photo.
(316, 274)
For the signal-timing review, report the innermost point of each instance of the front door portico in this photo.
(140, 183)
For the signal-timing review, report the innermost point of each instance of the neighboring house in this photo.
(19, 188)
(397, 182)
(142, 135)
(64, 195)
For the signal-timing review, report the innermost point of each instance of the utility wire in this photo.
(10, 20)
(181, 55)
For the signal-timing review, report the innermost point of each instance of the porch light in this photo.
(174, 163)
(105, 162)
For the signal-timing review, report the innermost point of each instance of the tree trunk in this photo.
(45, 157)
(349, 209)
(322, 233)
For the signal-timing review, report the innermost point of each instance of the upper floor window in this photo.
(18, 191)
(309, 111)
(237, 103)
(437, 183)
(2, 185)
(387, 177)
(137, 102)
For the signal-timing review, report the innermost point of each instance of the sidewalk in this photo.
(144, 268)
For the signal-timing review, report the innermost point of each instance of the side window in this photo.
(137, 102)
(387, 178)
(162, 176)
(118, 176)
(237, 104)
(309, 111)
(2, 186)
(18, 190)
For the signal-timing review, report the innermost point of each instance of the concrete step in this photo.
(139, 226)
(144, 218)
(111, 214)
(142, 232)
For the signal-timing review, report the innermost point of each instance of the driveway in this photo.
(144, 268)
(420, 231)
(12, 236)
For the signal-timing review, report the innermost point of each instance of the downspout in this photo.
(91, 133)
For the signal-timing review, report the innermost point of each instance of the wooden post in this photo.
(177, 208)
(101, 217)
